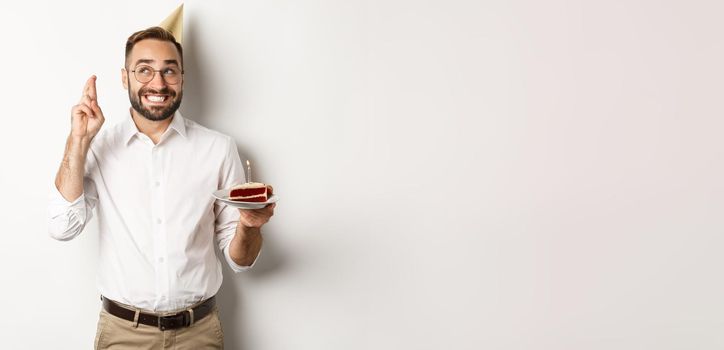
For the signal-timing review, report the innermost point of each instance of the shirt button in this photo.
(157, 183)
(160, 260)
(158, 221)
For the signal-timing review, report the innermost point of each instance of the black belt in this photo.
(182, 319)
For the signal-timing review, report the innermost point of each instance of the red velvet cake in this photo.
(249, 192)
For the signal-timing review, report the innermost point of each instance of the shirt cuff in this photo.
(59, 205)
(65, 219)
(236, 267)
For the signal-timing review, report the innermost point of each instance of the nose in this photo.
(157, 82)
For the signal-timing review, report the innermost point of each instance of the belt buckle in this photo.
(161, 324)
(173, 319)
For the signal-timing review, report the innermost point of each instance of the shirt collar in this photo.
(179, 124)
(129, 128)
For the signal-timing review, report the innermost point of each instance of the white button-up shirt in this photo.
(156, 213)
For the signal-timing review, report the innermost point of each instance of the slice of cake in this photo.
(249, 192)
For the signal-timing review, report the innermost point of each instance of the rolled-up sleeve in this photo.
(227, 217)
(66, 220)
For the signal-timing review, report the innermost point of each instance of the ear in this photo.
(124, 78)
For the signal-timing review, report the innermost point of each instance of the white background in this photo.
(453, 174)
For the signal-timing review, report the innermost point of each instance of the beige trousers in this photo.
(118, 334)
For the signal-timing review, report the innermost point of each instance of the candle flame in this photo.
(247, 162)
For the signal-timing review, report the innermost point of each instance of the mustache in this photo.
(164, 91)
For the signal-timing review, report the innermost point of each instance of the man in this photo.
(150, 180)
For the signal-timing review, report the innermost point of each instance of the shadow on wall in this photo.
(237, 335)
(230, 296)
(195, 96)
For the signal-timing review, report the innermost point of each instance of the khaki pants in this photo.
(118, 334)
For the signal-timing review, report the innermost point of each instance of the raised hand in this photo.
(87, 117)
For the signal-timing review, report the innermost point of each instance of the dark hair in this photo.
(157, 33)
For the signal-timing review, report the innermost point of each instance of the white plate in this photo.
(223, 196)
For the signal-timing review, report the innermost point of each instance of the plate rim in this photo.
(249, 205)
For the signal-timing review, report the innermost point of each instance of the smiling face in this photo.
(159, 98)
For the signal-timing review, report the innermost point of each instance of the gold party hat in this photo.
(174, 23)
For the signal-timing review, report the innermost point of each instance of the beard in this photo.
(155, 113)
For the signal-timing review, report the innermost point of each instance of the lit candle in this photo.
(248, 171)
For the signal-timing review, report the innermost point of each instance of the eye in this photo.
(170, 71)
(144, 70)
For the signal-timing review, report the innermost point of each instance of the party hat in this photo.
(174, 23)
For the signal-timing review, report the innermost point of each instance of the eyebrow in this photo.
(148, 61)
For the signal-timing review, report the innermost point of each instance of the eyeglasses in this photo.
(145, 74)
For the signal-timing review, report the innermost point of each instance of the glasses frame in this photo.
(154, 74)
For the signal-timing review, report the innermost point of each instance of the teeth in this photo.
(154, 98)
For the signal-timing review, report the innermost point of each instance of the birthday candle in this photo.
(248, 171)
